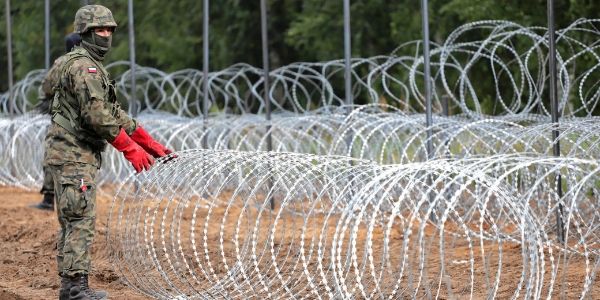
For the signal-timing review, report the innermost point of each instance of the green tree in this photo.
(169, 33)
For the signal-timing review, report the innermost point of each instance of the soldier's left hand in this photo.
(143, 138)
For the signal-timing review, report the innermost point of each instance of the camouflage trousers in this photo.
(48, 185)
(75, 194)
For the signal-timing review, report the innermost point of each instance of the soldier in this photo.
(46, 96)
(85, 116)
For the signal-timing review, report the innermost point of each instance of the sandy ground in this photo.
(28, 249)
(28, 267)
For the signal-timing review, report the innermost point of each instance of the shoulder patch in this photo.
(91, 70)
(95, 89)
(79, 65)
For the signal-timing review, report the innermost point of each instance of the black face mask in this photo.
(96, 45)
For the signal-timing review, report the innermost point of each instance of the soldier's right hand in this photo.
(139, 158)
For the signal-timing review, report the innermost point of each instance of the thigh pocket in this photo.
(78, 190)
(73, 201)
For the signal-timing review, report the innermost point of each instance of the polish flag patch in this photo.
(91, 70)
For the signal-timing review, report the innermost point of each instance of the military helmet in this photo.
(92, 16)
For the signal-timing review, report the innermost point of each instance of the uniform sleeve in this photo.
(125, 121)
(96, 112)
(51, 79)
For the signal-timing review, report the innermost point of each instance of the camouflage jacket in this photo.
(86, 99)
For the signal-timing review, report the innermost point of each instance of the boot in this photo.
(76, 288)
(65, 288)
(47, 202)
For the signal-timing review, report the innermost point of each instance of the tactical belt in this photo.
(64, 123)
(97, 145)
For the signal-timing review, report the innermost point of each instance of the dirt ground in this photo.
(28, 267)
(28, 249)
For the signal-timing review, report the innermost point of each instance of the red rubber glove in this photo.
(132, 152)
(143, 138)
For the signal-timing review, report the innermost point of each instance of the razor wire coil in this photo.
(359, 211)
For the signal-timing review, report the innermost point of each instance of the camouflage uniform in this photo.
(48, 183)
(46, 95)
(85, 116)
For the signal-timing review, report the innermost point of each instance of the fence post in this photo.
(347, 54)
(11, 100)
(132, 101)
(426, 77)
(560, 230)
(266, 71)
(47, 34)
(205, 57)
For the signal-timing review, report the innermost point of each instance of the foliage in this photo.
(168, 34)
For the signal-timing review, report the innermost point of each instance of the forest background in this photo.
(168, 34)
